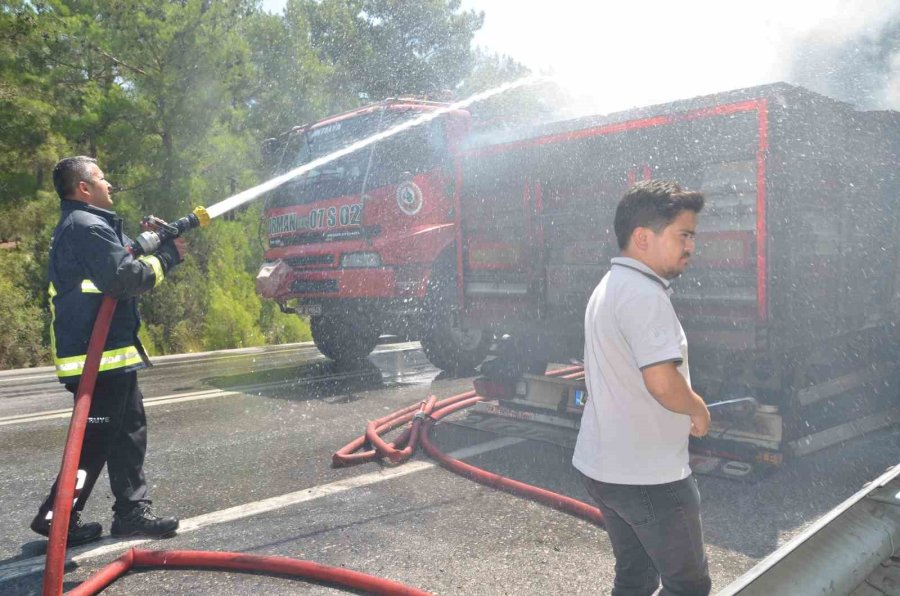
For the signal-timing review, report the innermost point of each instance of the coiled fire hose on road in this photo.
(423, 417)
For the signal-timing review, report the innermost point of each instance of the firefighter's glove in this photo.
(170, 253)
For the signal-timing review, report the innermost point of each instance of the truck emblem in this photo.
(409, 198)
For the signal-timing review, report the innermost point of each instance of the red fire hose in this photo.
(62, 509)
(65, 488)
(395, 451)
(194, 559)
(430, 412)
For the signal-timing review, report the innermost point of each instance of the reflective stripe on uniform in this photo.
(88, 287)
(157, 267)
(112, 359)
(52, 292)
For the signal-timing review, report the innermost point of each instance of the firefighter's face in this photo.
(95, 191)
(670, 250)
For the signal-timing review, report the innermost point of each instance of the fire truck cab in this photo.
(363, 244)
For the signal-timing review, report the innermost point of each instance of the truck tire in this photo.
(344, 338)
(447, 346)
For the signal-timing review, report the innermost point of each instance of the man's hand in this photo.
(172, 252)
(153, 223)
(700, 423)
(671, 390)
(149, 223)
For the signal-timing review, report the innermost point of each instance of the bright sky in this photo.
(614, 55)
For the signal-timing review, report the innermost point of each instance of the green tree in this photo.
(184, 67)
(21, 318)
(524, 106)
(289, 85)
(174, 99)
(420, 47)
(174, 312)
(386, 48)
(39, 96)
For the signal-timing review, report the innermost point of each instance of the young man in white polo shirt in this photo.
(633, 444)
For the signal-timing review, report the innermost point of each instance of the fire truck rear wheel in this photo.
(344, 338)
(445, 344)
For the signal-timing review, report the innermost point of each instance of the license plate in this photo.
(309, 309)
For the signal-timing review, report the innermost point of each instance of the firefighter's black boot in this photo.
(79, 531)
(141, 521)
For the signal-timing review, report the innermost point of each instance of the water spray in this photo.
(149, 241)
(252, 193)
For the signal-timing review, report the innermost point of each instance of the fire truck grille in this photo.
(310, 260)
(319, 286)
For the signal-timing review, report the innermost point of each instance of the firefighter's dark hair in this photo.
(653, 204)
(68, 172)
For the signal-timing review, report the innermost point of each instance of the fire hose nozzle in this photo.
(202, 216)
(149, 242)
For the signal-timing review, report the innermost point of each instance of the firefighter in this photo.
(632, 447)
(89, 258)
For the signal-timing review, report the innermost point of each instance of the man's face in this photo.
(95, 191)
(670, 250)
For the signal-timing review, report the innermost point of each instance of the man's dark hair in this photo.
(653, 204)
(68, 172)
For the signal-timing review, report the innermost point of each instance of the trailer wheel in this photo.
(446, 345)
(344, 338)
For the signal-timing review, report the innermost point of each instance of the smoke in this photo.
(612, 56)
(855, 58)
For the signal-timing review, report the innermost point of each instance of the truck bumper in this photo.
(340, 283)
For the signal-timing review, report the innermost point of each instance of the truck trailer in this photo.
(791, 297)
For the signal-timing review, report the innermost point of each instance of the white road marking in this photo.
(108, 546)
(148, 403)
(173, 398)
(45, 377)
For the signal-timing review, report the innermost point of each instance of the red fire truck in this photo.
(365, 243)
(460, 239)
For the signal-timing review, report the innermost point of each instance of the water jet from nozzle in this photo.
(250, 194)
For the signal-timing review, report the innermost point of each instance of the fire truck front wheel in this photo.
(344, 338)
(446, 345)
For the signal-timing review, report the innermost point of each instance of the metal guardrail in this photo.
(836, 553)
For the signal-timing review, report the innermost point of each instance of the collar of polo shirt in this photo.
(640, 267)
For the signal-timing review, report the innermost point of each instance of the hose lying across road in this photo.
(423, 417)
(195, 559)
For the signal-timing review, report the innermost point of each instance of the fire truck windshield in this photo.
(386, 162)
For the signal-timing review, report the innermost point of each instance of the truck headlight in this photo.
(360, 259)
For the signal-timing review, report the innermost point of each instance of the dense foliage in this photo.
(173, 97)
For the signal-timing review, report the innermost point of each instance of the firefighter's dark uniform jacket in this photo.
(88, 258)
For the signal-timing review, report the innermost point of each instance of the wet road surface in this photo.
(240, 448)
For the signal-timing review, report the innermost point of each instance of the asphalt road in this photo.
(240, 449)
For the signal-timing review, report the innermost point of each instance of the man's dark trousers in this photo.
(116, 435)
(655, 533)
